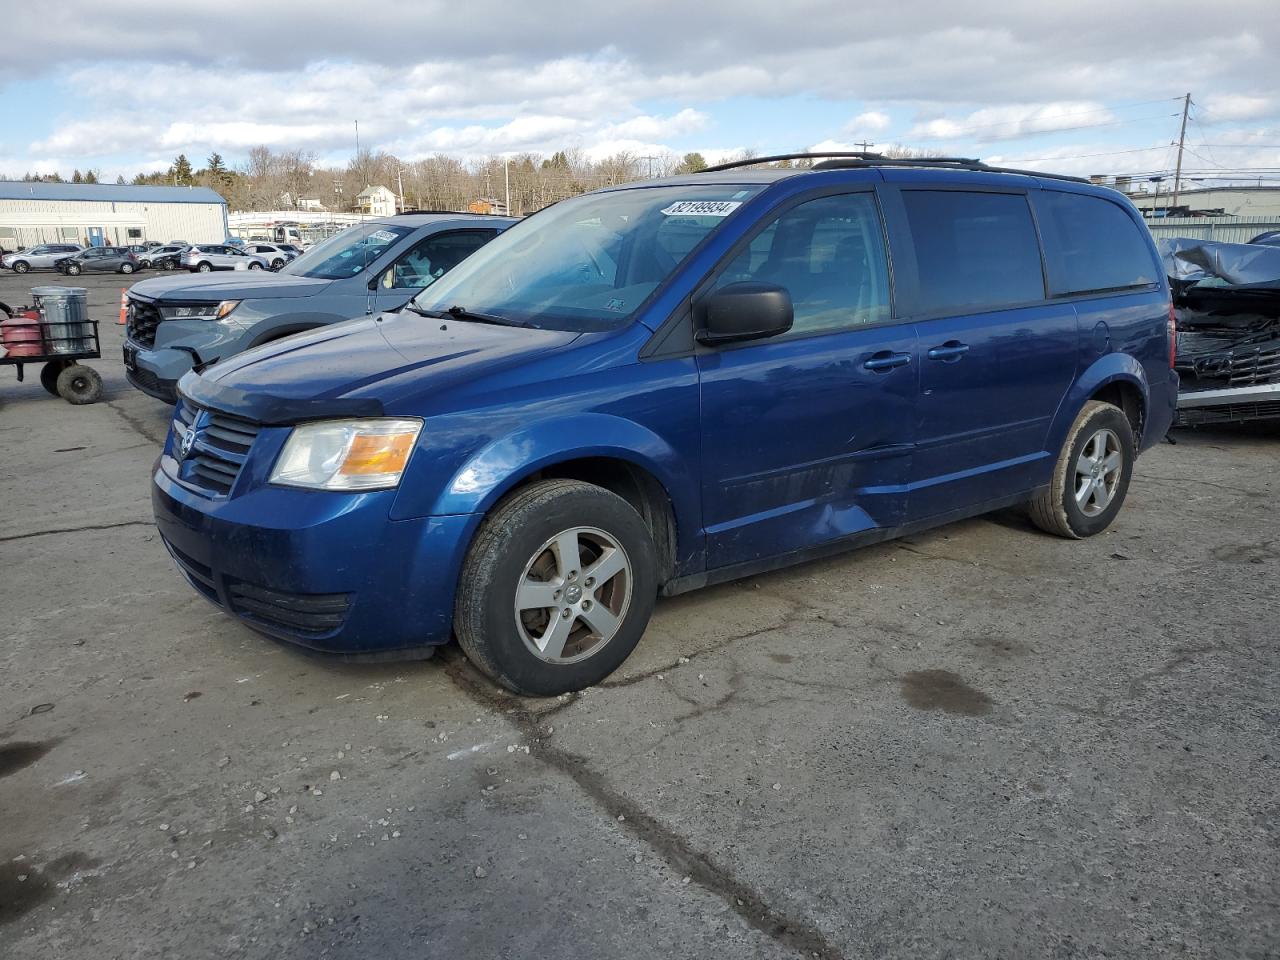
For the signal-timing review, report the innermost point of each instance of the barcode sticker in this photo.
(702, 208)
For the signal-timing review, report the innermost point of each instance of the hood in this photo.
(355, 368)
(232, 285)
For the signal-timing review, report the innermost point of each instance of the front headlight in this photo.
(200, 311)
(347, 454)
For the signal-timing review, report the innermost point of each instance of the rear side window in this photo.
(1093, 244)
(973, 250)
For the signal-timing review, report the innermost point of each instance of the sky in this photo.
(1083, 87)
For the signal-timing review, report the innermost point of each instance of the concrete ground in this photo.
(978, 742)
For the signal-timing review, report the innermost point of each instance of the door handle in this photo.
(886, 360)
(952, 350)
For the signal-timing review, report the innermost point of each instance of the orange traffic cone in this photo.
(124, 305)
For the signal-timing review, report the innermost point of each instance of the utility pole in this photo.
(506, 175)
(400, 183)
(865, 145)
(1182, 137)
(650, 158)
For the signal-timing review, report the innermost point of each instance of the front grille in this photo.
(1251, 367)
(142, 319)
(221, 445)
(305, 614)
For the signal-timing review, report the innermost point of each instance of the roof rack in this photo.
(835, 160)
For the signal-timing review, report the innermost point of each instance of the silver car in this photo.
(277, 256)
(205, 257)
(165, 257)
(40, 257)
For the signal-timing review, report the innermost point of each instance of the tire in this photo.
(21, 266)
(518, 544)
(127, 268)
(277, 263)
(49, 375)
(79, 384)
(73, 269)
(1085, 496)
(204, 267)
(254, 265)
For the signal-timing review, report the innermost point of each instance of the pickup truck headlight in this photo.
(347, 454)
(199, 311)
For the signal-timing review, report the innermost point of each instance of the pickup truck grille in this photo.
(142, 318)
(218, 452)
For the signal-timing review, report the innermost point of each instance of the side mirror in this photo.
(743, 311)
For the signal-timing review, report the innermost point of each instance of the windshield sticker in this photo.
(385, 236)
(615, 304)
(702, 208)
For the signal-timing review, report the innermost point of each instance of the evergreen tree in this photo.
(120, 179)
(692, 163)
(181, 170)
(76, 178)
(91, 176)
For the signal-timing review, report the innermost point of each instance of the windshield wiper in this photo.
(433, 314)
(462, 313)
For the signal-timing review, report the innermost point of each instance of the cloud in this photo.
(1233, 108)
(873, 121)
(1013, 121)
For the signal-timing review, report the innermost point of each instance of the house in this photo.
(376, 202)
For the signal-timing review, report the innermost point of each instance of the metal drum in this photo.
(64, 313)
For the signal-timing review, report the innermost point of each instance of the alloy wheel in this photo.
(573, 595)
(1098, 471)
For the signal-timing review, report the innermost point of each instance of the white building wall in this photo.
(1255, 202)
(26, 222)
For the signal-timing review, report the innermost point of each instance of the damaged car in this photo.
(1227, 305)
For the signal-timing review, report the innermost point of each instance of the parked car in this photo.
(655, 387)
(275, 255)
(40, 257)
(206, 257)
(293, 248)
(376, 266)
(1227, 299)
(164, 257)
(137, 249)
(1271, 238)
(98, 260)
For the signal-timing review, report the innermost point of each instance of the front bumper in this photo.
(156, 372)
(1229, 404)
(327, 571)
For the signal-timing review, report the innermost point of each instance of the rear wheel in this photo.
(80, 384)
(49, 375)
(204, 266)
(277, 263)
(126, 268)
(557, 588)
(254, 265)
(1092, 474)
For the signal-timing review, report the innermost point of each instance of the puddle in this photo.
(20, 897)
(20, 755)
(945, 691)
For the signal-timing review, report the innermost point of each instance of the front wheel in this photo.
(277, 263)
(21, 267)
(73, 269)
(126, 268)
(557, 588)
(1092, 474)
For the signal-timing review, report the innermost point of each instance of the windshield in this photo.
(587, 263)
(347, 253)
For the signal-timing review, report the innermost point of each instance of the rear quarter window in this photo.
(973, 250)
(1093, 245)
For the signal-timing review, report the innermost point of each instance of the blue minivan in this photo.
(663, 385)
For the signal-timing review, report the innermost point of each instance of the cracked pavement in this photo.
(976, 742)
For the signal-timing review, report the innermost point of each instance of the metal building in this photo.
(108, 214)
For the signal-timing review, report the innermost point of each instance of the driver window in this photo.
(829, 254)
(433, 258)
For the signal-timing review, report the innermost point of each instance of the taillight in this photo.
(1173, 336)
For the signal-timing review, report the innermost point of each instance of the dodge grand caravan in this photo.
(177, 324)
(659, 386)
